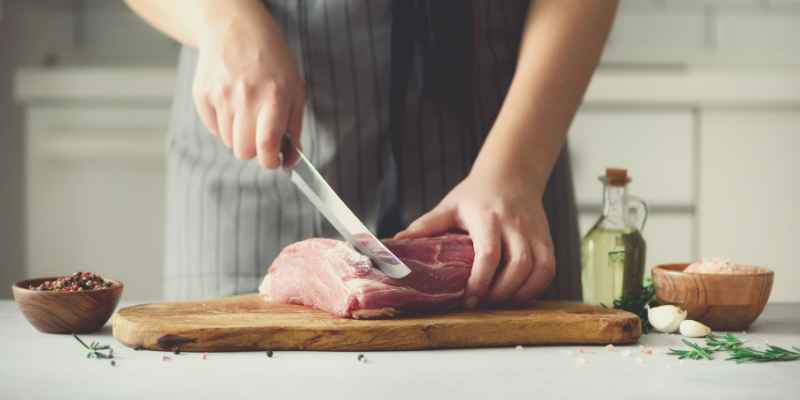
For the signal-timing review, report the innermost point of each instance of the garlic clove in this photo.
(666, 319)
(694, 329)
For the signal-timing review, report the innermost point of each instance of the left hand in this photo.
(506, 220)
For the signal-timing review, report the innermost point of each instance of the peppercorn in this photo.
(269, 353)
(76, 282)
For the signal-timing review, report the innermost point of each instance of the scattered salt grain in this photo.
(519, 347)
(568, 352)
(205, 356)
(640, 360)
(611, 347)
(580, 361)
(166, 358)
(646, 350)
(584, 350)
(626, 353)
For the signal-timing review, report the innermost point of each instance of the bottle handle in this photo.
(639, 207)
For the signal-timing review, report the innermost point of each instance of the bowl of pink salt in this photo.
(721, 294)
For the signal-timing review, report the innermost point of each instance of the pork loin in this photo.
(330, 275)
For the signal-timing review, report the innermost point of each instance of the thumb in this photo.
(436, 221)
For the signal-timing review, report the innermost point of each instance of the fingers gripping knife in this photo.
(313, 186)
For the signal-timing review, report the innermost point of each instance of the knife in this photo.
(313, 186)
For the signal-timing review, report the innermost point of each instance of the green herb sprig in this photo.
(772, 353)
(638, 304)
(96, 350)
(726, 342)
(696, 352)
(736, 350)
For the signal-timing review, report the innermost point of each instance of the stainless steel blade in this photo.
(313, 185)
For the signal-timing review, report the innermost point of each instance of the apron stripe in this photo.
(334, 92)
(190, 162)
(257, 245)
(198, 192)
(423, 182)
(305, 50)
(354, 86)
(377, 84)
(299, 203)
(492, 50)
(236, 220)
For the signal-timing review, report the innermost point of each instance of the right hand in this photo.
(247, 87)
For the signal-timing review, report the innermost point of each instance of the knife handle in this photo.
(288, 152)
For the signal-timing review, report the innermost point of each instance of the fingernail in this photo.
(472, 302)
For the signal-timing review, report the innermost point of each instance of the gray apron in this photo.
(228, 219)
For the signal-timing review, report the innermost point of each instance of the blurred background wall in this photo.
(699, 99)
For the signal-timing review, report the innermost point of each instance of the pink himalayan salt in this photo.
(721, 266)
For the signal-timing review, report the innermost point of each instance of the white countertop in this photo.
(40, 366)
(708, 87)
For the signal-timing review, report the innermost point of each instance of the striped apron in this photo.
(372, 129)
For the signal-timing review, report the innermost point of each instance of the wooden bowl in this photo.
(66, 312)
(725, 302)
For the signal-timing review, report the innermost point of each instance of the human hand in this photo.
(506, 222)
(247, 87)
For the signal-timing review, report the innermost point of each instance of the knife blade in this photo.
(330, 205)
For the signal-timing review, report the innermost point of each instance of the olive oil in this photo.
(613, 265)
(613, 252)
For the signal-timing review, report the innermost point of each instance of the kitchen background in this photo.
(700, 100)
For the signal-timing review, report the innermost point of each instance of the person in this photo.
(448, 114)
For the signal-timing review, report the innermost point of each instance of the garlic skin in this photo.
(694, 329)
(667, 318)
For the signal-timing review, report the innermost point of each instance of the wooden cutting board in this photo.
(246, 322)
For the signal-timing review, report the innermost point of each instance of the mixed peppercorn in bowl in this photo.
(76, 282)
(78, 303)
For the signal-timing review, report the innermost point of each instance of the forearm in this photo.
(560, 48)
(187, 20)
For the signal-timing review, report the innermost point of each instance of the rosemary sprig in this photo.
(726, 342)
(95, 349)
(638, 304)
(736, 350)
(772, 353)
(696, 353)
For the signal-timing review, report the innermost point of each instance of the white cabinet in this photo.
(657, 148)
(750, 191)
(95, 191)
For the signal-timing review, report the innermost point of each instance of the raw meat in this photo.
(330, 275)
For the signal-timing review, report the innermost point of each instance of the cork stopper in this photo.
(617, 176)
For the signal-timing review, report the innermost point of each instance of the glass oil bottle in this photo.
(613, 251)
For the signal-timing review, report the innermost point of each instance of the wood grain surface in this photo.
(247, 323)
